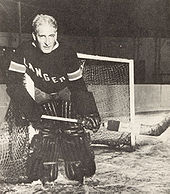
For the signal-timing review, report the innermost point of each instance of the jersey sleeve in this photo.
(16, 88)
(74, 72)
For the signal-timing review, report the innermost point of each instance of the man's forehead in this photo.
(46, 29)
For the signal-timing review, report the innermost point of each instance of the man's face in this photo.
(45, 37)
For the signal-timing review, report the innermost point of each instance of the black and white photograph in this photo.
(85, 96)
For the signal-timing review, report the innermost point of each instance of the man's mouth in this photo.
(46, 47)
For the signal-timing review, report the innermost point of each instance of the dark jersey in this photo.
(49, 72)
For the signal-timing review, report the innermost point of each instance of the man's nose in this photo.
(47, 41)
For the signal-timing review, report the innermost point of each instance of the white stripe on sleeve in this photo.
(17, 67)
(75, 75)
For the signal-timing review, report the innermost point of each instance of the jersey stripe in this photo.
(17, 67)
(75, 75)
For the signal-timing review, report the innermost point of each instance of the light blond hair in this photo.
(41, 19)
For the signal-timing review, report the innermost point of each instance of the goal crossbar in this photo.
(103, 58)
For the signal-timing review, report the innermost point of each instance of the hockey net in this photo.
(110, 80)
(14, 145)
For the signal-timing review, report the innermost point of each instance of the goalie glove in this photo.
(91, 122)
(84, 104)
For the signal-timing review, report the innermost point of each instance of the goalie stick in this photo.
(60, 119)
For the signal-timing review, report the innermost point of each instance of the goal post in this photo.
(112, 82)
(132, 102)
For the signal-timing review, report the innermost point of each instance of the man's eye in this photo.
(41, 36)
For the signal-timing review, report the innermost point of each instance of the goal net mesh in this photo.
(110, 83)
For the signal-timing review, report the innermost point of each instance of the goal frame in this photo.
(131, 84)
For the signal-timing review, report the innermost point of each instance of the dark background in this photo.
(122, 18)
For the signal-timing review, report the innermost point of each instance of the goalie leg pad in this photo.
(71, 156)
(88, 161)
(78, 157)
(51, 162)
(35, 162)
(43, 159)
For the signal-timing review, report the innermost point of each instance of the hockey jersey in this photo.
(49, 72)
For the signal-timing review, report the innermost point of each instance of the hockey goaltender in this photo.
(39, 72)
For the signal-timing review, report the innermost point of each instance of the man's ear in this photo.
(56, 36)
(33, 36)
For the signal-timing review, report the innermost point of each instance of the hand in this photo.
(92, 122)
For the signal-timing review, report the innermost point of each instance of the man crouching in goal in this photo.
(39, 74)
